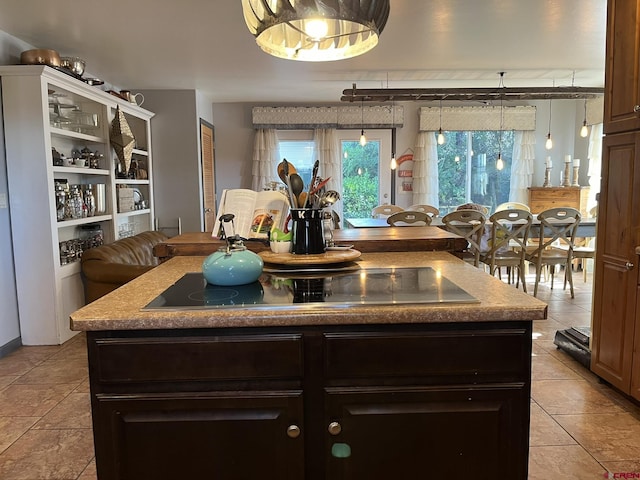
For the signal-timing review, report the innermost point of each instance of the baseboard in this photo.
(11, 346)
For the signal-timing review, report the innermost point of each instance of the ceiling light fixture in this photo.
(584, 131)
(549, 143)
(363, 138)
(315, 31)
(441, 138)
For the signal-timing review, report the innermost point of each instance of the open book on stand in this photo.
(255, 213)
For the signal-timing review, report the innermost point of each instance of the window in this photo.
(298, 148)
(366, 171)
(467, 170)
(366, 174)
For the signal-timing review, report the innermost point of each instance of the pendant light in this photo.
(499, 161)
(549, 143)
(441, 138)
(363, 138)
(394, 164)
(316, 31)
(584, 131)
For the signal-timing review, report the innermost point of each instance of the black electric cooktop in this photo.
(379, 286)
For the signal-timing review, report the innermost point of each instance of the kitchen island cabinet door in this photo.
(439, 432)
(230, 436)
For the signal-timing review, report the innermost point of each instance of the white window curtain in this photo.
(265, 158)
(328, 153)
(522, 165)
(425, 170)
(595, 164)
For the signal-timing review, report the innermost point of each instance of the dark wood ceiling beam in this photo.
(467, 94)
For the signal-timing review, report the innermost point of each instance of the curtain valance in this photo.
(283, 118)
(478, 118)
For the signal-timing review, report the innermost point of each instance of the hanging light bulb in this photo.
(499, 161)
(359, 171)
(549, 143)
(441, 138)
(584, 131)
(394, 164)
(363, 138)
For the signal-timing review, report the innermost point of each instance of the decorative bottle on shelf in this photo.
(75, 203)
(90, 201)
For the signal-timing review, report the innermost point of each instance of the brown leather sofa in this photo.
(110, 266)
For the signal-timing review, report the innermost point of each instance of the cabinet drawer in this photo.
(541, 199)
(496, 355)
(166, 359)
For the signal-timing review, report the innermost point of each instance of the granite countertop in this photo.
(121, 309)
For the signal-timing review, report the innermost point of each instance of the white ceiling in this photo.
(205, 45)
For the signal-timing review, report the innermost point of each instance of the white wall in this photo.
(10, 48)
(175, 142)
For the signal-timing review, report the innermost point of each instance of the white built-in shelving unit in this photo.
(49, 286)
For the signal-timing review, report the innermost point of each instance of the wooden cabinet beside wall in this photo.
(616, 301)
(543, 198)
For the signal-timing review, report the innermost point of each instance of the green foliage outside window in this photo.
(360, 178)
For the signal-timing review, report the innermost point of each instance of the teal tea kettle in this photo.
(232, 264)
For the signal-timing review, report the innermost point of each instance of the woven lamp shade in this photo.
(289, 28)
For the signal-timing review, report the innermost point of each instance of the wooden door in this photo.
(428, 432)
(208, 175)
(616, 272)
(622, 98)
(635, 361)
(197, 435)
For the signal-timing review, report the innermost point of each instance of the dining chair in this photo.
(512, 206)
(584, 249)
(556, 243)
(470, 225)
(430, 209)
(383, 211)
(473, 206)
(507, 242)
(409, 218)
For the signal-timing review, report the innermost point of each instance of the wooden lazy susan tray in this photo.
(330, 257)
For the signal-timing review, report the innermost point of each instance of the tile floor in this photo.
(580, 429)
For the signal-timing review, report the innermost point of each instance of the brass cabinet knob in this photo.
(636, 108)
(334, 428)
(629, 265)
(293, 431)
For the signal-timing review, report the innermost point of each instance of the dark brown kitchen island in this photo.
(325, 391)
